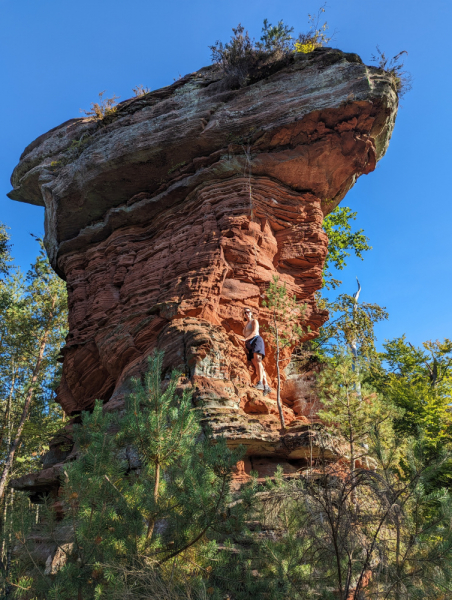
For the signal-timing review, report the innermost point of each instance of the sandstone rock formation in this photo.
(172, 215)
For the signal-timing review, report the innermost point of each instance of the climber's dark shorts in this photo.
(255, 346)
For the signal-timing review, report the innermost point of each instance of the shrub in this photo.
(106, 107)
(140, 90)
(238, 57)
(276, 40)
(316, 37)
(395, 67)
(235, 58)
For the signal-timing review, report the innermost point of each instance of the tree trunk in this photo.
(397, 587)
(151, 526)
(9, 551)
(8, 446)
(17, 439)
(278, 374)
(354, 343)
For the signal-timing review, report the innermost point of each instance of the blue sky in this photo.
(56, 56)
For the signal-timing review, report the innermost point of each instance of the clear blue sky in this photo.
(56, 56)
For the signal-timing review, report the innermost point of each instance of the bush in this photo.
(106, 107)
(242, 54)
(276, 40)
(140, 90)
(316, 37)
(236, 58)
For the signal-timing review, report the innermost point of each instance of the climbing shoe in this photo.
(259, 386)
(267, 390)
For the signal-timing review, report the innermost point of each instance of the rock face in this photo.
(172, 215)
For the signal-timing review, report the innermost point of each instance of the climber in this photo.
(255, 349)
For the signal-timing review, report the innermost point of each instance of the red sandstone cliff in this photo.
(168, 219)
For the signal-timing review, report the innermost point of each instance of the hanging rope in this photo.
(247, 175)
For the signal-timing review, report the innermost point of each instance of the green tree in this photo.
(351, 325)
(419, 381)
(32, 329)
(355, 525)
(5, 247)
(284, 328)
(341, 242)
(148, 492)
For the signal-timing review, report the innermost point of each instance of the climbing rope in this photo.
(247, 175)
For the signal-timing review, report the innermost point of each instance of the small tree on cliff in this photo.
(284, 328)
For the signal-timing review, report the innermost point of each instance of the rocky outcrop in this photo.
(172, 215)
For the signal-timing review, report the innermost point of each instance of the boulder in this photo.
(170, 216)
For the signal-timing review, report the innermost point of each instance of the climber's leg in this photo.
(259, 366)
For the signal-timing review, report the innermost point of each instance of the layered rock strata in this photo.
(170, 216)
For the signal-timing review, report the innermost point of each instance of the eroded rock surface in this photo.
(171, 217)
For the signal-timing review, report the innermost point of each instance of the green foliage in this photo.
(36, 311)
(284, 327)
(430, 365)
(147, 488)
(33, 323)
(341, 521)
(316, 37)
(348, 413)
(351, 325)
(242, 54)
(341, 239)
(148, 508)
(419, 382)
(5, 247)
(276, 39)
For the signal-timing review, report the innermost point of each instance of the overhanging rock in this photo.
(172, 216)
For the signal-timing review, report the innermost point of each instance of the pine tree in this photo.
(149, 492)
